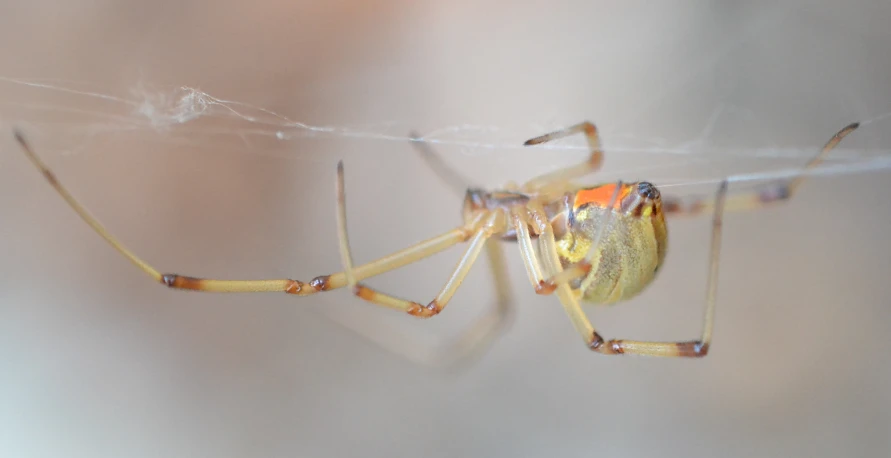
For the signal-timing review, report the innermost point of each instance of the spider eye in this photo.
(648, 190)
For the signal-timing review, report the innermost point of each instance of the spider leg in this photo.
(550, 259)
(560, 177)
(452, 178)
(771, 194)
(695, 348)
(485, 226)
(470, 345)
(521, 219)
(473, 343)
(394, 261)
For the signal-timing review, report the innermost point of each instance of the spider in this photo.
(599, 244)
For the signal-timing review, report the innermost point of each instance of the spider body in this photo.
(629, 253)
(600, 244)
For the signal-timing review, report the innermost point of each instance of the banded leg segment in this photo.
(322, 283)
(560, 177)
(771, 194)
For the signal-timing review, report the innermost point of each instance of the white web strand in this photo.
(182, 107)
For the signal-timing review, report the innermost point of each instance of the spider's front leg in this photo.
(559, 178)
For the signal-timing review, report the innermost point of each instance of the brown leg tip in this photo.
(851, 126)
(537, 140)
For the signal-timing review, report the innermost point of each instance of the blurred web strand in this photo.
(160, 111)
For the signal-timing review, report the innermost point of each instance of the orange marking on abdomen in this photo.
(601, 195)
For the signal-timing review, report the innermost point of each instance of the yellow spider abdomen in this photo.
(632, 247)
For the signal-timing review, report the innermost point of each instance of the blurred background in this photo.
(205, 135)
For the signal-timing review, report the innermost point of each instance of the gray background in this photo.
(99, 361)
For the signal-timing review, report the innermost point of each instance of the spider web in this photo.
(188, 115)
(76, 117)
